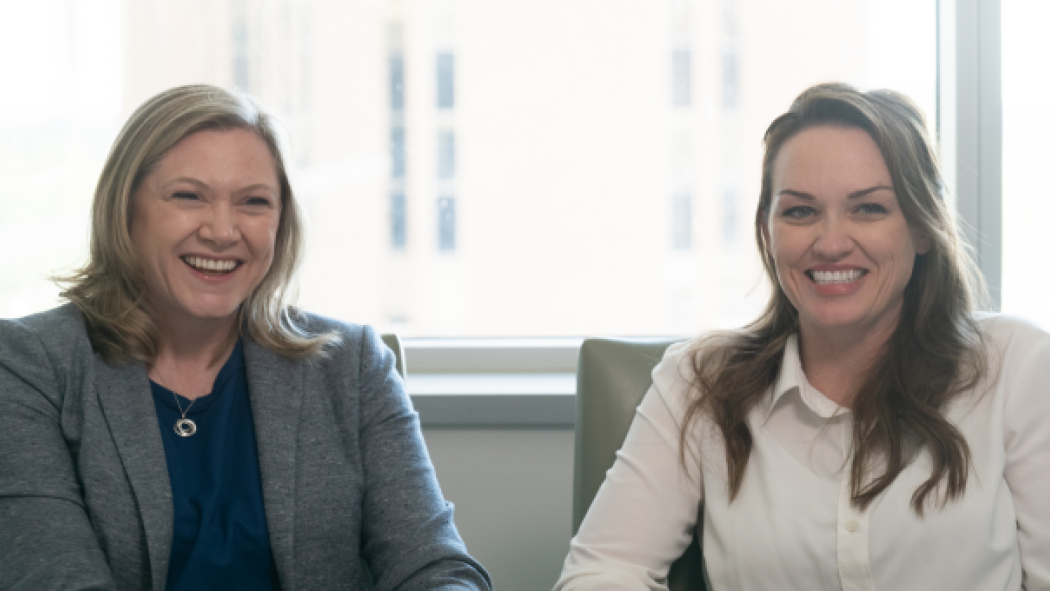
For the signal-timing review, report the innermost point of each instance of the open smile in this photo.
(211, 266)
(836, 277)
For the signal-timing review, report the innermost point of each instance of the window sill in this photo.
(494, 401)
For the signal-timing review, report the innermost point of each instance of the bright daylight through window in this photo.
(1026, 127)
(469, 168)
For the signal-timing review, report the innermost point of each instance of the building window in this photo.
(398, 221)
(445, 79)
(446, 154)
(397, 82)
(681, 77)
(682, 221)
(447, 224)
(397, 152)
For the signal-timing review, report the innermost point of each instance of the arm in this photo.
(1026, 434)
(645, 512)
(410, 541)
(46, 538)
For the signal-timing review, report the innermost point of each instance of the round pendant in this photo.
(185, 427)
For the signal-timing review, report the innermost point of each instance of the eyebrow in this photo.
(198, 183)
(853, 195)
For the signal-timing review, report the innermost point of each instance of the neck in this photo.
(190, 354)
(836, 361)
(211, 340)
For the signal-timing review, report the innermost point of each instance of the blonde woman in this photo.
(177, 425)
(869, 430)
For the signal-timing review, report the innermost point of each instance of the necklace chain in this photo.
(183, 427)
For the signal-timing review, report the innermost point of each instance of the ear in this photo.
(922, 241)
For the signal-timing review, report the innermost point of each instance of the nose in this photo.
(219, 228)
(833, 240)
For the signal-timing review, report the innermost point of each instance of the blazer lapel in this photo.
(275, 384)
(124, 394)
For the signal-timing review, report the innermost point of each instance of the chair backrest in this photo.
(611, 378)
(391, 340)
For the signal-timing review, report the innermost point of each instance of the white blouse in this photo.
(792, 525)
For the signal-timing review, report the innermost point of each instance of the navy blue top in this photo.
(220, 539)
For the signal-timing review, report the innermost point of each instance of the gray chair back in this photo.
(391, 340)
(611, 378)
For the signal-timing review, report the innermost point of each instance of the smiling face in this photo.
(843, 250)
(204, 223)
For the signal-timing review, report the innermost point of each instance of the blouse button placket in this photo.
(853, 536)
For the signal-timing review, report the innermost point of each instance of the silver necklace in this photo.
(184, 427)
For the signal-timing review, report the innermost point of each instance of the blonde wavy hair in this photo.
(110, 289)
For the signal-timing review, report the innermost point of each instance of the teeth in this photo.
(829, 277)
(211, 265)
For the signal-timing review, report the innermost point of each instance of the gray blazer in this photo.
(85, 500)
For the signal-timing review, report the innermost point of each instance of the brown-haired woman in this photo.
(869, 430)
(177, 425)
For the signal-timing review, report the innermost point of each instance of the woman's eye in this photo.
(184, 195)
(871, 208)
(258, 201)
(798, 213)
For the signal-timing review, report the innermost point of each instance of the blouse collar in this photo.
(792, 378)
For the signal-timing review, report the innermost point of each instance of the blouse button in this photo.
(852, 526)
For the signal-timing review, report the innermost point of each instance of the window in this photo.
(447, 224)
(397, 82)
(398, 221)
(540, 169)
(446, 154)
(1026, 127)
(445, 80)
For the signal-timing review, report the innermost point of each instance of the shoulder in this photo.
(319, 324)
(58, 323)
(673, 377)
(45, 350)
(60, 332)
(1011, 335)
(358, 344)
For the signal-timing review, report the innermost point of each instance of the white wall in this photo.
(513, 495)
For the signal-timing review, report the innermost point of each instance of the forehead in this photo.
(831, 158)
(238, 149)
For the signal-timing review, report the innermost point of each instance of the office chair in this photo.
(611, 378)
(391, 340)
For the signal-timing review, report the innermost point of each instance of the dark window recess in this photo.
(730, 79)
(446, 154)
(447, 224)
(397, 82)
(729, 206)
(682, 221)
(445, 80)
(398, 221)
(397, 152)
(681, 77)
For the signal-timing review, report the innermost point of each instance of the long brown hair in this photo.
(110, 290)
(934, 354)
